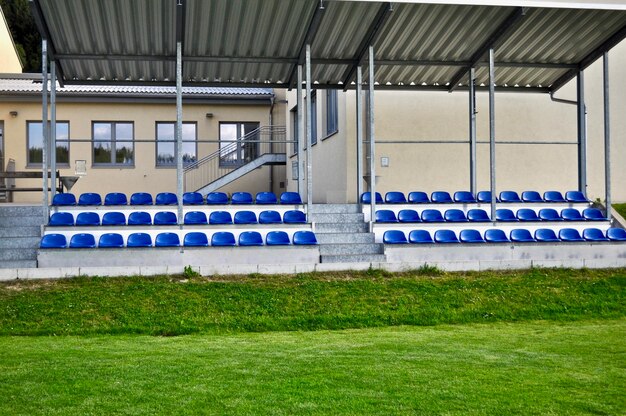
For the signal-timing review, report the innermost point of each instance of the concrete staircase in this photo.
(344, 235)
(20, 230)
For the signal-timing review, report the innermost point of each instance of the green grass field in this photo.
(532, 342)
(621, 208)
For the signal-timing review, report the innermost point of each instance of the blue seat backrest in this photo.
(570, 234)
(445, 236)
(385, 215)
(223, 238)
(193, 198)
(593, 214)
(64, 200)
(59, 219)
(571, 214)
(250, 238)
(304, 238)
(495, 235)
(139, 240)
(166, 198)
(478, 215)
(509, 196)
(277, 238)
(82, 240)
(165, 218)
(366, 198)
(245, 217)
(418, 197)
(290, 198)
(141, 198)
(114, 218)
(464, 197)
(431, 215)
(266, 198)
(527, 214)
(195, 239)
(521, 235)
(454, 215)
(111, 240)
(241, 198)
(294, 217)
(408, 215)
(505, 214)
(531, 196)
(195, 217)
(441, 197)
(549, 214)
(139, 218)
(53, 241)
(553, 196)
(546, 234)
(471, 236)
(88, 218)
(167, 240)
(616, 234)
(484, 196)
(395, 197)
(394, 237)
(115, 198)
(594, 234)
(220, 217)
(217, 198)
(420, 237)
(270, 217)
(575, 196)
(89, 198)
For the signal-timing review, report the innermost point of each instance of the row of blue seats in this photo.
(498, 236)
(192, 239)
(63, 219)
(169, 198)
(480, 215)
(466, 197)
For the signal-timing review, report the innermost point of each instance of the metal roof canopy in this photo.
(418, 45)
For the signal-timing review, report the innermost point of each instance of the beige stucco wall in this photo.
(9, 62)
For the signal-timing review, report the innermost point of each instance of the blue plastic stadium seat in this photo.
(141, 198)
(115, 198)
(418, 197)
(521, 235)
(294, 217)
(165, 218)
(88, 218)
(366, 198)
(432, 215)
(220, 217)
(250, 238)
(53, 241)
(266, 198)
(193, 198)
(575, 196)
(549, 214)
(394, 237)
(167, 240)
(526, 214)
(441, 197)
(471, 236)
(241, 198)
(304, 238)
(395, 197)
(139, 218)
(570, 234)
(60, 219)
(166, 198)
(111, 240)
(484, 197)
(616, 234)
(477, 215)
(594, 234)
(572, 214)
(454, 215)
(408, 215)
(553, 196)
(531, 196)
(495, 235)
(82, 240)
(290, 198)
(420, 237)
(61, 200)
(277, 238)
(195, 218)
(139, 240)
(464, 197)
(546, 235)
(270, 217)
(509, 196)
(245, 217)
(593, 214)
(445, 236)
(195, 239)
(90, 198)
(217, 198)
(505, 214)
(114, 218)
(222, 239)
(385, 216)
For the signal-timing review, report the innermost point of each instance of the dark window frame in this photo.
(237, 163)
(31, 164)
(156, 147)
(113, 141)
(332, 113)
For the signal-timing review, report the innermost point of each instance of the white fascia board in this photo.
(564, 4)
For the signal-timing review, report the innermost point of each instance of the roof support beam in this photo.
(607, 136)
(311, 33)
(379, 21)
(41, 24)
(498, 36)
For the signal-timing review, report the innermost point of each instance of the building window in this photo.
(313, 118)
(239, 143)
(166, 145)
(34, 141)
(294, 129)
(113, 144)
(332, 117)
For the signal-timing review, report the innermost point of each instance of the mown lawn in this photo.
(621, 208)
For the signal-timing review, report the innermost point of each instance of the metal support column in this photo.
(371, 137)
(300, 134)
(44, 127)
(607, 137)
(179, 130)
(359, 133)
(309, 133)
(53, 127)
(492, 132)
(582, 133)
(472, 130)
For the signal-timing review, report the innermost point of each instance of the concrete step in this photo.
(20, 221)
(340, 249)
(31, 231)
(19, 242)
(10, 254)
(325, 227)
(358, 258)
(18, 264)
(335, 208)
(344, 238)
(336, 218)
(19, 210)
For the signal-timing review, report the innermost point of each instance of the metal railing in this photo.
(234, 154)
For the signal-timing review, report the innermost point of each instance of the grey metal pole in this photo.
(301, 139)
(179, 130)
(472, 129)
(53, 128)
(492, 132)
(582, 133)
(607, 137)
(44, 127)
(309, 133)
(371, 137)
(359, 133)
